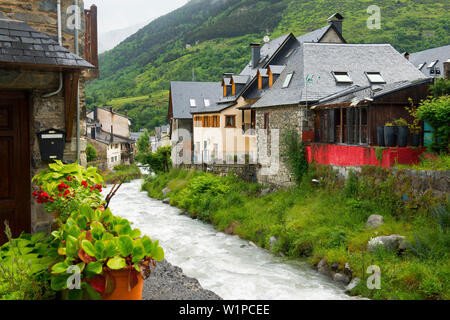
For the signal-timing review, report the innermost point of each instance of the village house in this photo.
(434, 62)
(335, 96)
(41, 99)
(109, 132)
(162, 137)
(223, 120)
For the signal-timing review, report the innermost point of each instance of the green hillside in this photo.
(220, 31)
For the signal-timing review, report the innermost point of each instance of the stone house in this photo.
(109, 132)
(316, 95)
(41, 87)
(433, 62)
(162, 137)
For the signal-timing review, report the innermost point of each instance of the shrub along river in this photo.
(224, 264)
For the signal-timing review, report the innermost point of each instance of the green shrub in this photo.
(293, 152)
(91, 153)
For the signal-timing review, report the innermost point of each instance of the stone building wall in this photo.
(245, 172)
(45, 113)
(273, 170)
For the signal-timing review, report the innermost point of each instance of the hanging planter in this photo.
(389, 135)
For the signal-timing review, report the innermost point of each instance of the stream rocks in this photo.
(341, 277)
(374, 221)
(167, 282)
(166, 201)
(393, 242)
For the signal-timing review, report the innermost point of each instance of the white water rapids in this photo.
(224, 264)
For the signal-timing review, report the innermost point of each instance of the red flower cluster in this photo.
(98, 187)
(42, 197)
(84, 184)
(62, 186)
(69, 178)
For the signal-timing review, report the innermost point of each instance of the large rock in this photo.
(273, 241)
(393, 242)
(324, 269)
(352, 285)
(340, 277)
(165, 191)
(166, 201)
(374, 221)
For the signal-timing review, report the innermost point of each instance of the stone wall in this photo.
(45, 113)
(246, 172)
(273, 170)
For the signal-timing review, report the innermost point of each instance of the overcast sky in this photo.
(119, 14)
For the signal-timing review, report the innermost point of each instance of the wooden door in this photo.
(15, 181)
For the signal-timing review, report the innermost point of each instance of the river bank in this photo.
(327, 223)
(168, 282)
(232, 268)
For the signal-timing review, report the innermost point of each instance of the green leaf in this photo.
(138, 254)
(116, 263)
(59, 283)
(60, 267)
(38, 237)
(91, 293)
(125, 245)
(99, 249)
(147, 243)
(94, 267)
(88, 248)
(97, 230)
(74, 294)
(158, 254)
(136, 233)
(71, 246)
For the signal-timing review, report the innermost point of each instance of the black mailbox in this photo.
(51, 143)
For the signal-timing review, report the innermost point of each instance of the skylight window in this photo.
(288, 79)
(193, 103)
(421, 65)
(342, 77)
(375, 77)
(207, 102)
(431, 65)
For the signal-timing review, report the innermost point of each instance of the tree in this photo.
(159, 161)
(91, 153)
(143, 143)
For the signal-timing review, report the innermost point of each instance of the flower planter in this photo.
(121, 291)
(389, 136)
(380, 135)
(415, 139)
(402, 136)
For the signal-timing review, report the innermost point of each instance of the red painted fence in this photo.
(342, 155)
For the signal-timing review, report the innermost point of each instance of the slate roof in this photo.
(20, 43)
(442, 54)
(319, 60)
(182, 92)
(105, 137)
(356, 93)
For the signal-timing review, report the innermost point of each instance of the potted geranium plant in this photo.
(402, 132)
(389, 135)
(111, 258)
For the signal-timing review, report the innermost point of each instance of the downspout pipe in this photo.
(58, 10)
(77, 52)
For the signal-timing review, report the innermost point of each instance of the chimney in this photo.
(406, 55)
(336, 21)
(447, 69)
(95, 114)
(256, 54)
(112, 134)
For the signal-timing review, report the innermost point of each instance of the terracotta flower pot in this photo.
(121, 286)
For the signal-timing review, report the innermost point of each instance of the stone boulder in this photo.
(374, 221)
(324, 269)
(393, 242)
(165, 191)
(352, 285)
(265, 192)
(273, 241)
(166, 201)
(342, 278)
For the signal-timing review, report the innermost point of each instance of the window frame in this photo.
(234, 121)
(376, 74)
(287, 80)
(337, 74)
(193, 103)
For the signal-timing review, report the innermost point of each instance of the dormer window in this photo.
(207, 102)
(375, 77)
(342, 77)
(432, 64)
(193, 103)
(288, 79)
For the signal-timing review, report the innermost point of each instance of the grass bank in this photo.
(326, 220)
(121, 171)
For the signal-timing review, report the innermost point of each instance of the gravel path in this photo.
(167, 282)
